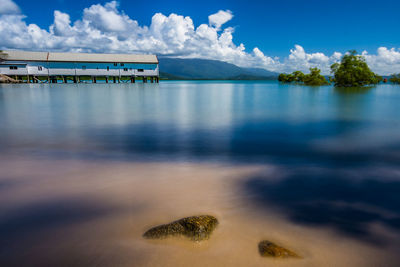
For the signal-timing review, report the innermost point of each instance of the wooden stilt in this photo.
(114, 79)
(74, 79)
(132, 79)
(106, 79)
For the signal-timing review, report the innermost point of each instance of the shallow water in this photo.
(86, 169)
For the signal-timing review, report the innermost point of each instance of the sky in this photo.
(281, 36)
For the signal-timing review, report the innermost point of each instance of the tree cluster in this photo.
(395, 78)
(353, 71)
(314, 78)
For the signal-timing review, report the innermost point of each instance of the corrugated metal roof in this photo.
(78, 57)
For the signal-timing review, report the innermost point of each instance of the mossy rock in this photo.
(269, 249)
(196, 228)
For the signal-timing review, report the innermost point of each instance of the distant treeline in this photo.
(314, 78)
(352, 71)
(395, 78)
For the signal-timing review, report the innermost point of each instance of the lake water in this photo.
(86, 169)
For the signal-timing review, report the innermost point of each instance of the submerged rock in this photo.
(269, 249)
(196, 228)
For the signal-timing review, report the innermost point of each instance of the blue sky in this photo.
(273, 27)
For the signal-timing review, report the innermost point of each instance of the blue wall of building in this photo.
(72, 65)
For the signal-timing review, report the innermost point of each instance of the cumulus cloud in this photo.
(107, 18)
(220, 18)
(8, 7)
(386, 61)
(299, 59)
(105, 28)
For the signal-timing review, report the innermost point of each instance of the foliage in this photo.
(395, 78)
(283, 77)
(296, 76)
(313, 78)
(353, 71)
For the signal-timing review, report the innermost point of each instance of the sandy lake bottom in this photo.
(67, 212)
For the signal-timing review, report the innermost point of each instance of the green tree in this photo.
(298, 76)
(395, 78)
(283, 77)
(353, 71)
(315, 78)
(287, 78)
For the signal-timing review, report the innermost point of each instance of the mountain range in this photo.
(205, 69)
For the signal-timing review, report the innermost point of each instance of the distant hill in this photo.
(167, 76)
(204, 69)
(261, 72)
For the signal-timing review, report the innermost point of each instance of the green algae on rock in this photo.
(269, 249)
(196, 228)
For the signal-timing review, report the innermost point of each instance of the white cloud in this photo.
(104, 28)
(300, 60)
(386, 61)
(61, 25)
(8, 7)
(107, 18)
(220, 18)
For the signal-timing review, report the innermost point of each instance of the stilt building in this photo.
(51, 67)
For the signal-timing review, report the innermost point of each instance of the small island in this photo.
(314, 78)
(395, 78)
(352, 71)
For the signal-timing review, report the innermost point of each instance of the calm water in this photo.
(324, 159)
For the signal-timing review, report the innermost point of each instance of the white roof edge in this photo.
(77, 57)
